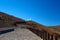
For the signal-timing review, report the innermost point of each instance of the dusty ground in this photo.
(19, 34)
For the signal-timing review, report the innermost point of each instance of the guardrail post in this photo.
(51, 37)
(56, 38)
(48, 36)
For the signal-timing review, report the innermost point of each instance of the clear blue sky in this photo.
(46, 12)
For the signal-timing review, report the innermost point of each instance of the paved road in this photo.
(19, 34)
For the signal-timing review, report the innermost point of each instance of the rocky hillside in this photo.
(8, 20)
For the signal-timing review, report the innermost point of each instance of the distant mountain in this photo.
(57, 27)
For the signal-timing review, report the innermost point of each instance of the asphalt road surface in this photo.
(20, 34)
